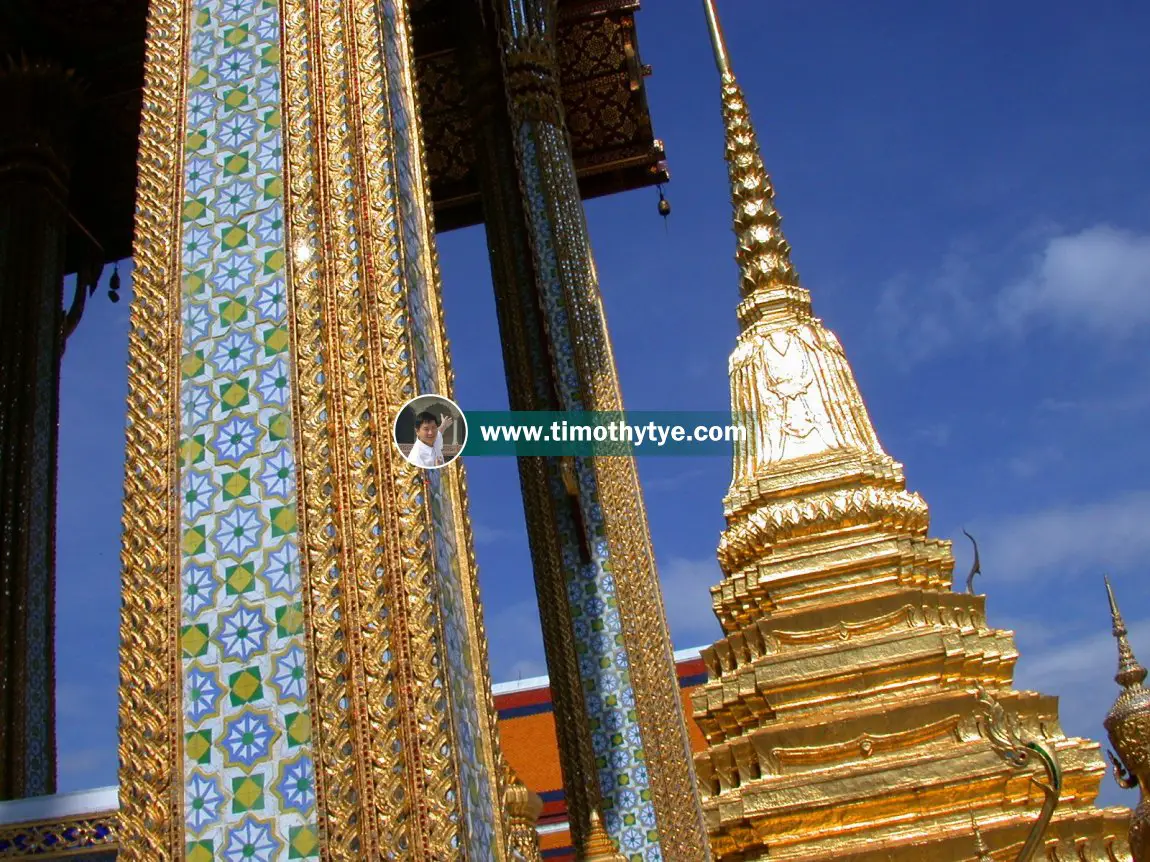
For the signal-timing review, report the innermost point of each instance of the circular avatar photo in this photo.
(430, 431)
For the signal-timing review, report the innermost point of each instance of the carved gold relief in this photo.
(389, 772)
(151, 817)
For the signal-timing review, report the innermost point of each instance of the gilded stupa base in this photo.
(842, 713)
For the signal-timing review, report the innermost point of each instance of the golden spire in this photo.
(718, 43)
(1128, 726)
(523, 807)
(600, 847)
(1130, 672)
(764, 256)
(790, 381)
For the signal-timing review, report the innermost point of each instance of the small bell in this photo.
(664, 204)
(114, 285)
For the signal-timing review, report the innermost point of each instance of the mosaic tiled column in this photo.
(37, 104)
(551, 512)
(636, 729)
(302, 653)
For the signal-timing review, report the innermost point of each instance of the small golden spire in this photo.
(600, 847)
(1130, 672)
(764, 256)
(718, 43)
(523, 807)
(980, 843)
(1126, 724)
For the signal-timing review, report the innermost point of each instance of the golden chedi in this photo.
(841, 713)
(1128, 725)
(600, 847)
(523, 806)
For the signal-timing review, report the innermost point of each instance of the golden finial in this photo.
(600, 847)
(1126, 724)
(1130, 672)
(523, 807)
(718, 43)
(763, 254)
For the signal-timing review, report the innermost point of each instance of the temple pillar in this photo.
(303, 663)
(624, 747)
(37, 104)
(551, 511)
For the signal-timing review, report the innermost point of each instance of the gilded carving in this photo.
(151, 813)
(69, 836)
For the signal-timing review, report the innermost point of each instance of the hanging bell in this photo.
(664, 204)
(114, 284)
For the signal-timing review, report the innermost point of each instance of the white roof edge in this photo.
(551, 828)
(60, 806)
(689, 654)
(521, 685)
(537, 682)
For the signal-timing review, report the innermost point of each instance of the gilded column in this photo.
(635, 729)
(552, 515)
(303, 663)
(38, 103)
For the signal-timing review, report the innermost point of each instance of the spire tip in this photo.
(1130, 671)
(718, 43)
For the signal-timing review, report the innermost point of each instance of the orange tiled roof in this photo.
(527, 731)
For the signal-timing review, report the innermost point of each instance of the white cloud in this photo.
(1067, 540)
(1034, 460)
(920, 317)
(78, 768)
(1080, 671)
(1095, 282)
(515, 638)
(687, 599)
(1098, 279)
(484, 535)
(936, 434)
(675, 481)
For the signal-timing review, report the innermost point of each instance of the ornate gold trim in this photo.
(386, 758)
(150, 745)
(868, 744)
(456, 482)
(61, 839)
(308, 421)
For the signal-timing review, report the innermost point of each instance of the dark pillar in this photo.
(624, 747)
(37, 105)
(551, 512)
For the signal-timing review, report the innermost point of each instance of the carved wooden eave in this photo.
(103, 40)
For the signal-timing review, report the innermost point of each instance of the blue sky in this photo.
(966, 189)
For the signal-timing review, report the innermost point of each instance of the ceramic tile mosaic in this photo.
(464, 698)
(616, 740)
(248, 777)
